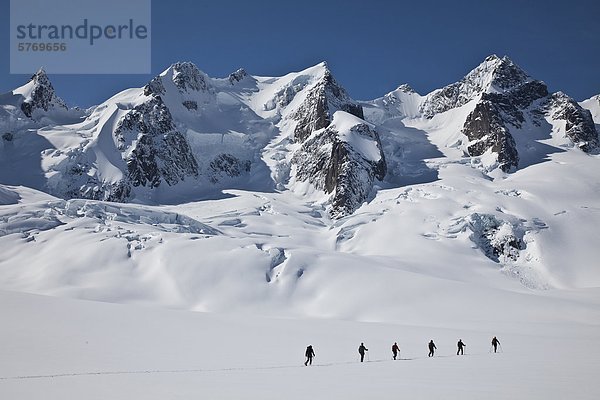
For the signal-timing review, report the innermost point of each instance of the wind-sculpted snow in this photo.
(8, 196)
(284, 96)
(593, 105)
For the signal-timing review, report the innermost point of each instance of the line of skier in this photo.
(310, 352)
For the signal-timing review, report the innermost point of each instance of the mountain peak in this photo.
(497, 74)
(237, 76)
(186, 77)
(317, 71)
(40, 74)
(38, 93)
(40, 78)
(406, 88)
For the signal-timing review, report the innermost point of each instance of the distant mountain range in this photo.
(186, 136)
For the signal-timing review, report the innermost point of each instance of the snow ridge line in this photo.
(181, 371)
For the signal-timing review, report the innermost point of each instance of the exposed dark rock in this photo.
(186, 76)
(515, 102)
(504, 93)
(498, 73)
(321, 102)
(406, 88)
(228, 165)
(485, 130)
(333, 165)
(43, 96)
(161, 152)
(7, 137)
(580, 127)
(116, 192)
(77, 182)
(237, 76)
(155, 86)
(190, 104)
(506, 74)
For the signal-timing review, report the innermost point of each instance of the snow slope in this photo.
(97, 351)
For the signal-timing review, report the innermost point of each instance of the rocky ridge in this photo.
(41, 95)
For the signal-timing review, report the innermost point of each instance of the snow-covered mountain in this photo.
(468, 212)
(465, 172)
(33, 105)
(185, 135)
(497, 114)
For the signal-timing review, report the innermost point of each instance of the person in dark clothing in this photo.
(361, 351)
(461, 346)
(310, 353)
(395, 350)
(432, 348)
(495, 343)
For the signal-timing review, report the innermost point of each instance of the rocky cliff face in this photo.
(324, 99)
(579, 125)
(327, 158)
(505, 98)
(487, 126)
(486, 130)
(184, 126)
(332, 162)
(494, 74)
(159, 152)
(41, 95)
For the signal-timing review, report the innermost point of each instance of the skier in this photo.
(310, 353)
(361, 351)
(395, 350)
(495, 343)
(431, 348)
(460, 345)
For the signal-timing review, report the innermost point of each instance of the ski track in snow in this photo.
(208, 370)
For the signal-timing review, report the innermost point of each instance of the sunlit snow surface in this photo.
(404, 264)
(219, 298)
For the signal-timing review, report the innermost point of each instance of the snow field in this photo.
(97, 350)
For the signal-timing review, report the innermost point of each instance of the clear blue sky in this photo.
(371, 46)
